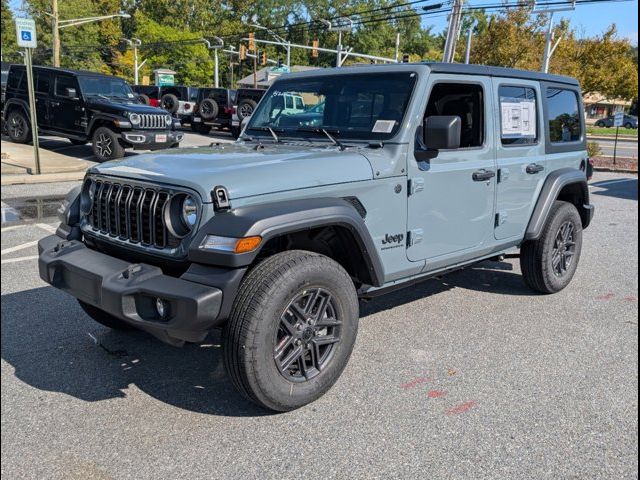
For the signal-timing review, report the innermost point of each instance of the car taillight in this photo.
(229, 110)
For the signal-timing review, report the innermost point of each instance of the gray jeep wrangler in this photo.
(389, 175)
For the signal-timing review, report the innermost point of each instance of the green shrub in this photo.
(593, 149)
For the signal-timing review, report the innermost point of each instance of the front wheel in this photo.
(549, 263)
(18, 127)
(292, 330)
(106, 144)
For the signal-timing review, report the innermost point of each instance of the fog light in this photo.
(162, 306)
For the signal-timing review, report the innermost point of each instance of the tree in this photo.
(8, 32)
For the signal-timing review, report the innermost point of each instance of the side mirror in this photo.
(70, 93)
(442, 132)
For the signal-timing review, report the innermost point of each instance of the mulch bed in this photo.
(626, 164)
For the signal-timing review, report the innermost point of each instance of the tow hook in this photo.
(131, 270)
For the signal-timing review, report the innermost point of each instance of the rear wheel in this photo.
(246, 108)
(209, 109)
(106, 144)
(18, 127)
(549, 263)
(170, 103)
(104, 318)
(292, 330)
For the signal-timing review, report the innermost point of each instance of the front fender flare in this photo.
(270, 220)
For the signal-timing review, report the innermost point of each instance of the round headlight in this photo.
(134, 118)
(168, 119)
(189, 212)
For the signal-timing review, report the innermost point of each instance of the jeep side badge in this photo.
(220, 198)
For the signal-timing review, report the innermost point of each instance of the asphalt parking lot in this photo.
(468, 376)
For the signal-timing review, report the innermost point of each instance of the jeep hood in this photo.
(120, 106)
(242, 169)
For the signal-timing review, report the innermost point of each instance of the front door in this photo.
(65, 110)
(451, 197)
(520, 153)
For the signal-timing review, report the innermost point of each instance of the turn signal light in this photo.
(247, 244)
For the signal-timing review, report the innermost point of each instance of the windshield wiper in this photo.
(327, 132)
(271, 130)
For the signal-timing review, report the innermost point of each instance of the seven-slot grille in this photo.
(131, 213)
(152, 120)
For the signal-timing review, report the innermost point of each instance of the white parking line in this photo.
(19, 259)
(19, 247)
(47, 228)
(12, 227)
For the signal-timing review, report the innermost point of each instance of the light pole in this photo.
(135, 43)
(285, 43)
(548, 48)
(59, 24)
(341, 24)
(215, 48)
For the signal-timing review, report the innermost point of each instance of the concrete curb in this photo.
(612, 137)
(614, 170)
(21, 179)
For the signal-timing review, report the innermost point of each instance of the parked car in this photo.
(179, 101)
(86, 107)
(629, 122)
(416, 170)
(215, 108)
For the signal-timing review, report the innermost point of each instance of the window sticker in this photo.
(518, 117)
(384, 126)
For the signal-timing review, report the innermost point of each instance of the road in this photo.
(625, 148)
(468, 376)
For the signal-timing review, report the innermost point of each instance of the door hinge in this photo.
(415, 185)
(414, 237)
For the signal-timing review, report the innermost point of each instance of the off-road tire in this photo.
(106, 144)
(18, 127)
(144, 99)
(246, 108)
(170, 103)
(537, 256)
(209, 109)
(628, 125)
(250, 335)
(104, 318)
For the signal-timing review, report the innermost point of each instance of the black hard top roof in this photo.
(465, 69)
(68, 70)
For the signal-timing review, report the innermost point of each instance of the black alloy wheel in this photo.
(564, 249)
(307, 334)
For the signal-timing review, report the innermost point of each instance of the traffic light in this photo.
(252, 42)
(243, 52)
(263, 58)
(314, 52)
(405, 58)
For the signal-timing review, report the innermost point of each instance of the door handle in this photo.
(483, 175)
(534, 168)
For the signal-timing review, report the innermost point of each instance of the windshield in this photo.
(106, 87)
(357, 106)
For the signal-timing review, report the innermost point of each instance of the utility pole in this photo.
(135, 43)
(215, 48)
(397, 46)
(342, 24)
(453, 30)
(56, 33)
(467, 52)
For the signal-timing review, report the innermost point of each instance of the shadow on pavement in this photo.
(54, 346)
(626, 189)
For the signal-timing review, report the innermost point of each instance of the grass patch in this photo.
(611, 131)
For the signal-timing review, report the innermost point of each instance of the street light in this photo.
(134, 43)
(285, 43)
(58, 24)
(215, 48)
(341, 24)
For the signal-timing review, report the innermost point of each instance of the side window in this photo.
(465, 101)
(518, 115)
(43, 81)
(288, 101)
(299, 103)
(62, 83)
(564, 115)
(16, 79)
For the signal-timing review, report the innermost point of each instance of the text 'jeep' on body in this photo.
(392, 174)
(86, 107)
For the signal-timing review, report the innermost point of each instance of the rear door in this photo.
(520, 153)
(451, 198)
(42, 80)
(65, 111)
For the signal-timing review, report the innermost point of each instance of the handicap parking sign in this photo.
(26, 33)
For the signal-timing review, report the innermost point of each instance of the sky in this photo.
(587, 19)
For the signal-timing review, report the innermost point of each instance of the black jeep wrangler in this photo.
(86, 107)
(215, 108)
(178, 100)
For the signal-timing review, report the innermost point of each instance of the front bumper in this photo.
(150, 139)
(129, 291)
